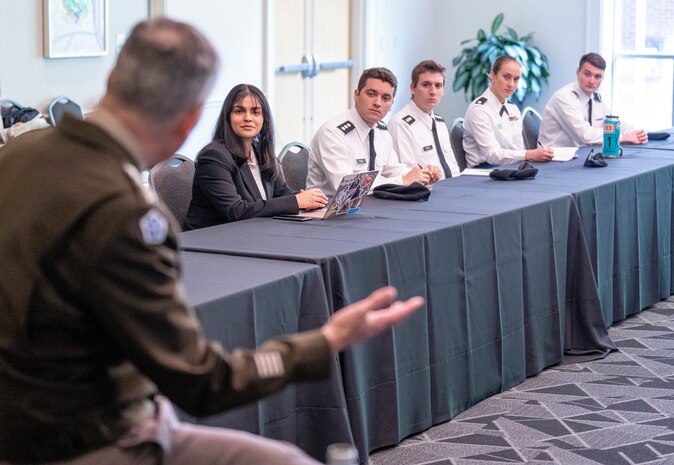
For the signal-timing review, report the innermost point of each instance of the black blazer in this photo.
(224, 190)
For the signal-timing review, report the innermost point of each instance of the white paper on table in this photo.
(564, 153)
(476, 171)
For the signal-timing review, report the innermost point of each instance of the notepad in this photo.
(476, 171)
(564, 153)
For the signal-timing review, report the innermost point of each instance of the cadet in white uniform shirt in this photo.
(342, 145)
(493, 127)
(420, 137)
(574, 115)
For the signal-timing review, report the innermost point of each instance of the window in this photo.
(640, 34)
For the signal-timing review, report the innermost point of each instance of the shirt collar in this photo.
(119, 133)
(361, 126)
(493, 101)
(420, 114)
(582, 96)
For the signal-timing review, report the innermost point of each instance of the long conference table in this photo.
(517, 276)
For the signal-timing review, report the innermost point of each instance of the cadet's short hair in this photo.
(594, 59)
(428, 66)
(164, 69)
(500, 60)
(383, 74)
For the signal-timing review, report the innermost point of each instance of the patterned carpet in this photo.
(615, 411)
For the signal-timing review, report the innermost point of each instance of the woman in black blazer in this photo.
(237, 175)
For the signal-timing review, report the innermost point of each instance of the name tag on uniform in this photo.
(427, 148)
(361, 161)
(513, 118)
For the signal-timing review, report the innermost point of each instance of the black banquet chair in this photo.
(456, 141)
(62, 105)
(172, 180)
(294, 158)
(531, 126)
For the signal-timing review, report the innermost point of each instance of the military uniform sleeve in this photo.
(137, 298)
(572, 121)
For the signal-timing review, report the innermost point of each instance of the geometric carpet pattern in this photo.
(614, 411)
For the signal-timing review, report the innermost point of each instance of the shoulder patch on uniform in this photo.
(154, 227)
(409, 119)
(381, 125)
(269, 364)
(439, 118)
(575, 93)
(481, 101)
(346, 127)
(597, 97)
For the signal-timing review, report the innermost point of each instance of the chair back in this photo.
(294, 158)
(172, 180)
(62, 105)
(531, 126)
(456, 141)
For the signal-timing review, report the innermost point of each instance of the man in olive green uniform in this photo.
(92, 318)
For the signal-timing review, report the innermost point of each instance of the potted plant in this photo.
(474, 63)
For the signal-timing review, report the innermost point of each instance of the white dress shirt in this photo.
(255, 170)
(491, 136)
(565, 121)
(412, 132)
(341, 146)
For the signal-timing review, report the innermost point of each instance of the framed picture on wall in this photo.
(75, 28)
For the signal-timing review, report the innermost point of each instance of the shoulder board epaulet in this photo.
(481, 100)
(381, 125)
(575, 93)
(439, 118)
(346, 127)
(409, 119)
(597, 97)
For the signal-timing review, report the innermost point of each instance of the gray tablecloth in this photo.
(243, 302)
(626, 214)
(506, 275)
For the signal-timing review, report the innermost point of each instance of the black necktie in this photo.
(503, 110)
(589, 111)
(373, 154)
(441, 156)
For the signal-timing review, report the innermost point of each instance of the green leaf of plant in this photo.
(527, 37)
(461, 80)
(497, 23)
(512, 34)
(456, 60)
(481, 35)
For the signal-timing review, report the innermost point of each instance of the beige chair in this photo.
(531, 126)
(172, 180)
(294, 158)
(456, 140)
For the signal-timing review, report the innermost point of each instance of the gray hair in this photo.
(165, 69)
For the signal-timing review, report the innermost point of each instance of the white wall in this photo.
(402, 32)
(29, 78)
(408, 31)
(235, 28)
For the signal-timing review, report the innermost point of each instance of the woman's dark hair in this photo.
(264, 141)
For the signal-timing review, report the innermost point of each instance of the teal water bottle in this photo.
(611, 147)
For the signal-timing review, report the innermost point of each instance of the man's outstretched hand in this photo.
(367, 317)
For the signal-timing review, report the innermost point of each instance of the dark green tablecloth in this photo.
(626, 215)
(506, 275)
(243, 302)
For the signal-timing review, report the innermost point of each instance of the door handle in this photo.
(311, 66)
